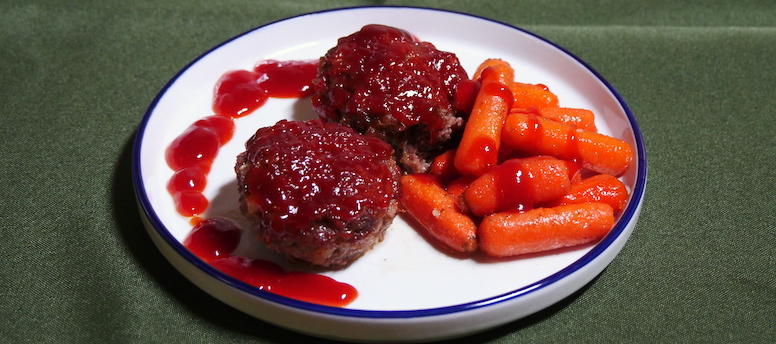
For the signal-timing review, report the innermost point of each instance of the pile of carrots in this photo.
(527, 176)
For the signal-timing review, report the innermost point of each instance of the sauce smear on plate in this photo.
(240, 92)
(191, 154)
(237, 94)
(213, 241)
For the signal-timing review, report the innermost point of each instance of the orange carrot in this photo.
(465, 95)
(528, 95)
(575, 171)
(479, 146)
(602, 188)
(581, 118)
(541, 229)
(537, 135)
(508, 74)
(517, 184)
(456, 187)
(443, 167)
(437, 212)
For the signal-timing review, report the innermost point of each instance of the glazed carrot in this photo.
(575, 171)
(443, 167)
(528, 95)
(581, 118)
(537, 135)
(541, 229)
(479, 146)
(508, 73)
(457, 186)
(437, 212)
(465, 95)
(602, 188)
(517, 184)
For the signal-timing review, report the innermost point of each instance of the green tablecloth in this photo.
(77, 76)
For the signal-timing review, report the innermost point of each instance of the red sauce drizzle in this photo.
(572, 144)
(237, 94)
(287, 79)
(514, 191)
(213, 240)
(240, 92)
(465, 95)
(485, 149)
(533, 132)
(191, 155)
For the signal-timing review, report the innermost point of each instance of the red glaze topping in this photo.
(317, 171)
(465, 95)
(381, 73)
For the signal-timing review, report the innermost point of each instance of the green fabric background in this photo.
(76, 78)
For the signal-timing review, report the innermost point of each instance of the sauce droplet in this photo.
(238, 93)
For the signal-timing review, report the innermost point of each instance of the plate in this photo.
(408, 289)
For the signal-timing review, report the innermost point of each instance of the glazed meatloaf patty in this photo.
(318, 191)
(383, 82)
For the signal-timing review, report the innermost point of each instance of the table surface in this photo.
(77, 76)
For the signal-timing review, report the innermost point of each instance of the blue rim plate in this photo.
(408, 289)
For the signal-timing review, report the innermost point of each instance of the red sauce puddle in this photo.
(237, 94)
(213, 240)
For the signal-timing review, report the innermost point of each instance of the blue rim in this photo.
(597, 250)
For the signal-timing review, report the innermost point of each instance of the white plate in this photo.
(408, 289)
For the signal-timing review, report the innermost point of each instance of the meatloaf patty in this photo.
(383, 82)
(318, 191)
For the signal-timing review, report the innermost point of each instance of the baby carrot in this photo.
(513, 233)
(507, 75)
(537, 135)
(457, 186)
(581, 118)
(575, 171)
(479, 146)
(443, 167)
(465, 94)
(603, 188)
(517, 184)
(528, 95)
(437, 212)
